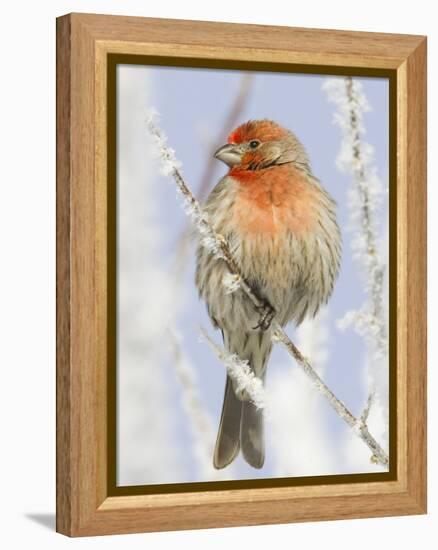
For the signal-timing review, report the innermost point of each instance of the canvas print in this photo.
(252, 275)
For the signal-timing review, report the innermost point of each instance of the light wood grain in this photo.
(416, 273)
(63, 279)
(402, 273)
(83, 504)
(253, 39)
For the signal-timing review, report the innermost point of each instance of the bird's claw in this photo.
(267, 314)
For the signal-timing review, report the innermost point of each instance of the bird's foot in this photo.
(267, 314)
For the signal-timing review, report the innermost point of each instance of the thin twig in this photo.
(366, 412)
(218, 246)
(376, 270)
(356, 157)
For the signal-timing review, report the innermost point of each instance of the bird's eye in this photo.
(254, 143)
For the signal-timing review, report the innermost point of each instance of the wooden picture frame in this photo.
(85, 503)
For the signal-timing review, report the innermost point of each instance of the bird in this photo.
(281, 227)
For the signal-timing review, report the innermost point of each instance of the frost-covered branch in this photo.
(218, 246)
(231, 283)
(239, 371)
(212, 241)
(366, 412)
(236, 108)
(356, 157)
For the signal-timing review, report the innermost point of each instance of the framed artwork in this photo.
(241, 274)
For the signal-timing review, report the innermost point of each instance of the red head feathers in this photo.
(263, 130)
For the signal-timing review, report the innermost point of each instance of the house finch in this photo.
(281, 228)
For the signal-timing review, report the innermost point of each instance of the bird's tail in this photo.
(252, 437)
(241, 425)
(228, 437)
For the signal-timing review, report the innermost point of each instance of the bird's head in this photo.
(260, 144)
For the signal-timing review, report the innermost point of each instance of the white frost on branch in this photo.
(239, 371)
(172, 167)
(356, 157)
(365, 196)
(166, 154)
(231, 282)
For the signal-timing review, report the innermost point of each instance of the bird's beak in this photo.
(230, 154)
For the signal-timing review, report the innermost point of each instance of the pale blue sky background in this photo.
(193, 103)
